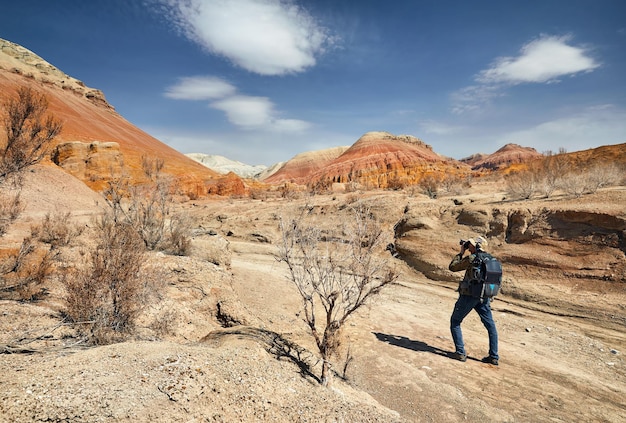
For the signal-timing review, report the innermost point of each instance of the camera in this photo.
(464, 243)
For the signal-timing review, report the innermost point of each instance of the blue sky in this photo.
(260, 81)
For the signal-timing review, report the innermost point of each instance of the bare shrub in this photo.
(10, 209)
(152, 167)
(23, 274)
(115, 196)
(522, 184)
(337, 269)
(178, 237)
(351, 186)
(452, 184)
(602, 175)
(147, 209)
(396, 183)
(575, 183)
(430, 185)
(29, 132)
(164, 324)
(215, 249)
(28, 135)
(56, 230)
(148, 212)
(552, 171)
(112, 287)
(258, 194)
(319, 187)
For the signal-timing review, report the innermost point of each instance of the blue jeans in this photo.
(462, 308)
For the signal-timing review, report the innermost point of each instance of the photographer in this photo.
(466, 303)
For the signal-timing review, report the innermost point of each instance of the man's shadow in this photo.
(404, 342)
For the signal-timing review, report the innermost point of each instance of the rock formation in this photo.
(506, 156)
(376, 160)
(302, 166)
(229, 185)
(89, 161)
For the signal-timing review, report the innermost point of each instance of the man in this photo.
(466, 303)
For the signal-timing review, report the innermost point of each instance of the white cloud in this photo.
(250, 112)
(290, 125)
(542, 60)
(439, 128)
(245, 111)
(268, 37)
(200, 88)
(472, 98)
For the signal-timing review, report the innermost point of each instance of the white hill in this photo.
(224, 165)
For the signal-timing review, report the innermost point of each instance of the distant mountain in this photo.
(504, 157)
(299, 168)
(376, 160)
(270, 171)
(474, 158)
(93, 131)
(223, 165)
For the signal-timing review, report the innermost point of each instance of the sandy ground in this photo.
(562, 359)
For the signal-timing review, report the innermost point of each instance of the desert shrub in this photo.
(335, 269)
(112, 287)
(214, 249)
(575, 183)
(290, 191)
(152, 167)
(521, 184)
(452, 184)
(147, 209)
(258, 194)
(352, 198)
(430, 185)
(165, 322)
(551, 171)
(148, 212)
(10, 209)
(24, 273)
(56, 230)
(352, 186)
(179, 235)
(603, 175)
(396, 183)
(29, 132)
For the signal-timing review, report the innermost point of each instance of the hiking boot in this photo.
(490, 360)
(458, 356)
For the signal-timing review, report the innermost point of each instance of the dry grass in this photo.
(56, 230)
(24, 273)
(10, 209)
(109, 291)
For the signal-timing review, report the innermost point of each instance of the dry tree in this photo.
(29, 132)
(336, 270)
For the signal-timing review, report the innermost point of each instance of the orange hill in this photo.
(88, 118)
(376, 160)
(506, 156)
(300, 167)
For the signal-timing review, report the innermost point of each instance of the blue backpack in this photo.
(485, 276)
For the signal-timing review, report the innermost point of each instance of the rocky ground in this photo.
(225, 342)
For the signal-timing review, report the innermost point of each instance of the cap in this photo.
(479, 241)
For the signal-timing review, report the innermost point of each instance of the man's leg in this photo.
(463, 306)
(484, 311)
